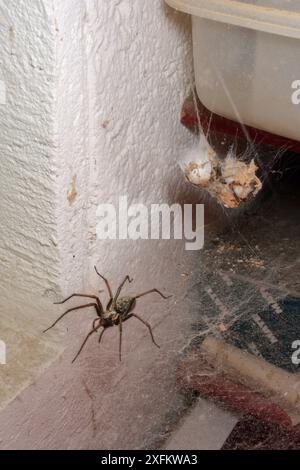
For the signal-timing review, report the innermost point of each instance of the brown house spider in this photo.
(117, 311)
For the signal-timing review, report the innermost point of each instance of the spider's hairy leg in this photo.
(150, 292)
(94, 330)
(106, 283)
(101, 334)
(71, 310)
(95, 321)
(127, 278)
(83, 296)
(120, 337)
(147, 325)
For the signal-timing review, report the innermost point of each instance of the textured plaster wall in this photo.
(72, 135)
(139, 72)
(122, 69)
(29, 267)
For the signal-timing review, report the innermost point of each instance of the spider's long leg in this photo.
(101, 334)
(71, 310)
(106, 283)
(127, 278)
(95, 321)
(84, 296)
(94, 330)
(120, 340)
(150, 292)
(147, 325)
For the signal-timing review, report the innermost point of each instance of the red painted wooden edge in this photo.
(197, 374)
(221, 125)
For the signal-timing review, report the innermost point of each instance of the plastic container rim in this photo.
(232, 12)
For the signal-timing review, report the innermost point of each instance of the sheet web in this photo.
(246, 297)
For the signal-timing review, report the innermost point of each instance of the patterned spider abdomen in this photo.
(124, 305)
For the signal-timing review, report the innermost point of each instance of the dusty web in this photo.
(245, 295)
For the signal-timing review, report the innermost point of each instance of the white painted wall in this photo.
(124, 69)
(119, 72)
(29, 259)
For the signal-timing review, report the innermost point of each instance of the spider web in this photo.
(246, 292)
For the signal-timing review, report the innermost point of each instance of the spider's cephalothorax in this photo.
(118, 310)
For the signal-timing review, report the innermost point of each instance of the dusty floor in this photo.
(250, 267)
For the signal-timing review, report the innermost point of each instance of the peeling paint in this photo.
(72, 194)
(105, 123)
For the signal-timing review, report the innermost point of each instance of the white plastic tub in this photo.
(247, 56)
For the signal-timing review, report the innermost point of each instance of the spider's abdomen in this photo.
(124, 305)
